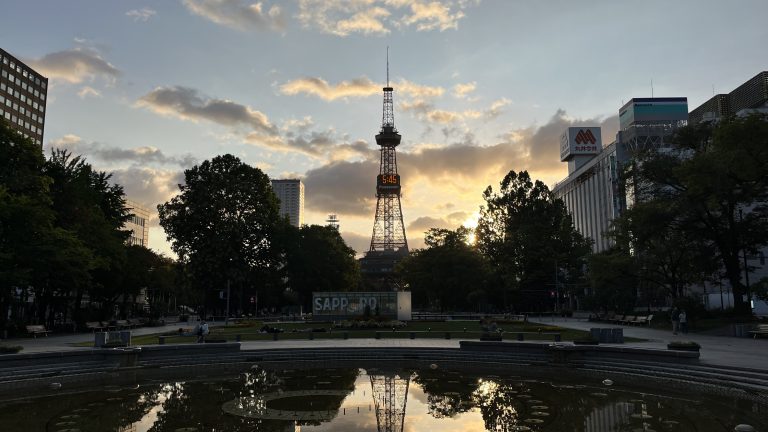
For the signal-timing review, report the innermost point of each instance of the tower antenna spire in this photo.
(387, 65)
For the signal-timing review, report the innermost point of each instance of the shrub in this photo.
(10, 349)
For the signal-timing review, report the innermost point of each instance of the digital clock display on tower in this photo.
(388, 180)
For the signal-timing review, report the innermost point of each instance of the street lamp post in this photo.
(226, 318)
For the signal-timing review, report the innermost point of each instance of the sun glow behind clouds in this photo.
(471, 223)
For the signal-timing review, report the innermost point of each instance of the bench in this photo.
(95, 326)
(640, 320)
(35, 330)
(122, 324)
(628, 320)
(134, 322)
(760, 330)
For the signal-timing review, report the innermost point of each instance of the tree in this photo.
(222, 225)
(529, 238)
(667, 256)
(39, 259)
(449, 274)
(318, 259)
(90, 207)
(717, 178)
(613, 280)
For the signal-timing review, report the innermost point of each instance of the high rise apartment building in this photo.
(138, 224)
(23, 92)
(290, 192)
(593, 192)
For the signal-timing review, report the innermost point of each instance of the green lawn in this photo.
(422, 329)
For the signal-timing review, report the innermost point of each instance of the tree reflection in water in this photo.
(498, 405)
(438, 398)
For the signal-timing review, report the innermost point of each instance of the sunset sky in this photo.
(145, 89)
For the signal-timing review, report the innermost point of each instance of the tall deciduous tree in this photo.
(716, 176)
(529, 238)
(448, 275)
(222, 226)
(88, 205)
(318, 259)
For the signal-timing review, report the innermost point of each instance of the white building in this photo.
(290, 192)
(592, 191)
(138, 224)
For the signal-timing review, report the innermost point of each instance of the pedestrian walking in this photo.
(675, 320)
(683, 322)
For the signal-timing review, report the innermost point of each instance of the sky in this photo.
(146, 89)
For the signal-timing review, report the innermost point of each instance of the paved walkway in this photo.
(717, 350)
(720, 350)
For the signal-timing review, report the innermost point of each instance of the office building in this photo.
(290, 192)
(138, 224)
(593, 192)
(749, 97)
(22, 97)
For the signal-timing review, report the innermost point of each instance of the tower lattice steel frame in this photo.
(390, 397)
(388, 228)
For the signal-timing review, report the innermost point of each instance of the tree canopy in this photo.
(702, 204)
(449, 274)
(62, 241)
(529, 239)
(222, 225)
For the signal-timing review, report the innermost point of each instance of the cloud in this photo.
(88, 91)
(424, 223)
(187, 104)
(426, 111)
(74, 66)
(143, 14)
(462, 168)
(462, 90)
(148, 186)
(109, 154)
(360, 243)
(377, 17)
(358, 87)
(342, 187)
(293, 136)
(238, 14)
(433, 15)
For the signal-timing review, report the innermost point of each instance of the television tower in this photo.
(388, 227)
(388, 242)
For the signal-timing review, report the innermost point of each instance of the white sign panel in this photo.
(580, 141)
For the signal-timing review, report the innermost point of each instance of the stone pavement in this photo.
(715, 350)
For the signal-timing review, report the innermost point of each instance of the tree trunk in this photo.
(733, 273)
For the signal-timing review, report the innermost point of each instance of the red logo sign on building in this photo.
(584, 137)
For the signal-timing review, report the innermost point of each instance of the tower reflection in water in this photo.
(390, 396)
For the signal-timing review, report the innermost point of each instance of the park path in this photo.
(716, 350)
(719, 350)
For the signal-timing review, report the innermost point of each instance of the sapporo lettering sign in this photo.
(354, 303)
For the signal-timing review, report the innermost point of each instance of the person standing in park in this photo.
(202, 332)
(683, 322)
(675, 320)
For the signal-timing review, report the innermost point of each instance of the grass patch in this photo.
(422, 330)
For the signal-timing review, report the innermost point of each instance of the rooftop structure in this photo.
(750, 96)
